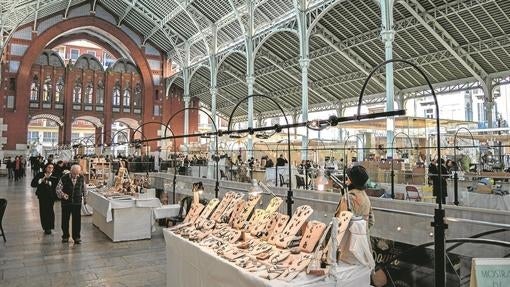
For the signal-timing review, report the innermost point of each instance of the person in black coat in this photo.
(281, 161)
(438, 182)
(46, 182)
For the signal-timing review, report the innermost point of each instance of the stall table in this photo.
(123, 219)
(189, 264)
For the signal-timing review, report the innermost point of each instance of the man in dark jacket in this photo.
(438, 182)
(45, 182)
(71, 189)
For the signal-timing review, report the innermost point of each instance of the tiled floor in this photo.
(31, 258)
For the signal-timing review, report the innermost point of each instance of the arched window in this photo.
(100, 93)
(89, 91)
(138, 95)
(59, 90)
(47, 89)
(116, 94)
(34, 89)
(127, 97)
(77, 92)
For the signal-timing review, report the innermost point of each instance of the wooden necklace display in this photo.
(194, 212)
(240, 219)
(257, 217)
(311, 236)
(238, 209)
(276, 227)
(199, 223)
(229, 208)
(294, 226)
(274, 204)
(221, 207)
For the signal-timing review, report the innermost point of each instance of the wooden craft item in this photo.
(216, 216)
(294, 226)
(225, 216)
(238, 209)
(213, 203)
(255, 219)
(312, 235)
(274, 204)
(193, 213)
(240, 219)
(277, 227)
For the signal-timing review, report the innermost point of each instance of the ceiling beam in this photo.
(126, 12)
(445, 39)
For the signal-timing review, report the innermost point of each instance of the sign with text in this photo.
(490, 272)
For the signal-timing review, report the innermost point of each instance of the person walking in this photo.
(71, 189)
(46, 182)
(17, 168)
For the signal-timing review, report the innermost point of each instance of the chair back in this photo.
(3, 206)
(204, 201)
(412, 193)
(185, 204)
(300, 182)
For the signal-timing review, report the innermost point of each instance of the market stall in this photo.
(188, 264)
(231, 243)
(123, 218)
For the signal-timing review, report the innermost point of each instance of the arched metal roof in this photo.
(456, 41)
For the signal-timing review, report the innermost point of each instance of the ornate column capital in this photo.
(250, 80)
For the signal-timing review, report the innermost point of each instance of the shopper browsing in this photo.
(45, 182)
(71, 189)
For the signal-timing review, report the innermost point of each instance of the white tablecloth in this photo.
(189, 265)
(283, 170)
(166, 211)
(488, 201)
(104, 206)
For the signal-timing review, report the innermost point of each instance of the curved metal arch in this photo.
(238, 17)
(14, 29)
(172, 79)
(196, 69)
(131, 123)
(192, 18)
(269, 35)
(124, 131)
(217, 185)
(52, 117)
(320, 16)
(147, 123)
(225, 56)
(393, 160)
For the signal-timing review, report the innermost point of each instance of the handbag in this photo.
(86, 210)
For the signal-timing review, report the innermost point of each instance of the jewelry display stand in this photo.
(297, 221)
(311, 236)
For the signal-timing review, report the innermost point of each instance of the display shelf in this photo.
(99, 172)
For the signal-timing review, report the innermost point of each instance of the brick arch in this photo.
(39, 44)
(84, 36)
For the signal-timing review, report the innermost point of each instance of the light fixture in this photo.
(255, 188)
(316, 125)
(198, 189)
(321, 181)
(259, 187)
